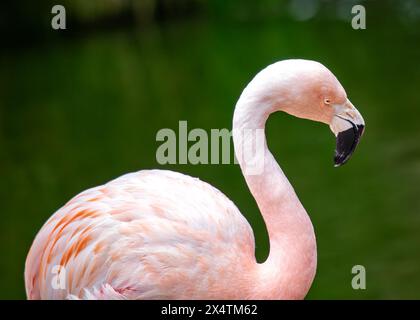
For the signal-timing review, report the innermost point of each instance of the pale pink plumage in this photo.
(160, 234)
(137, 235)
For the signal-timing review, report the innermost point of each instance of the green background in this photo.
(82, 106)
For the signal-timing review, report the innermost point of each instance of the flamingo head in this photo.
(309, 90)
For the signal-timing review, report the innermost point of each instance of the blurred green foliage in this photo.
(82, 106)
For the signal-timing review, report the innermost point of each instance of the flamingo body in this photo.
(135, 238)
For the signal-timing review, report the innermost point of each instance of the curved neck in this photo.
(290, 267)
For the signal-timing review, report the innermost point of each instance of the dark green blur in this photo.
(82, 106)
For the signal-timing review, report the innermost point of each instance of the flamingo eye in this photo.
(327, 101)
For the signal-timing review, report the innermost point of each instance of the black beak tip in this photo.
(346, 144)
(360, 130)
(340, 159)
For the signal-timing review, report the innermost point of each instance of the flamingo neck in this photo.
(290, 267)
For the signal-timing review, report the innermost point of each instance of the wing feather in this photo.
(149, 234)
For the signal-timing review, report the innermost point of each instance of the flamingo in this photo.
(158, 234)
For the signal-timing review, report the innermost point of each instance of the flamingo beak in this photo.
(348, 126)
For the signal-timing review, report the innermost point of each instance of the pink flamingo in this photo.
(158, 234)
